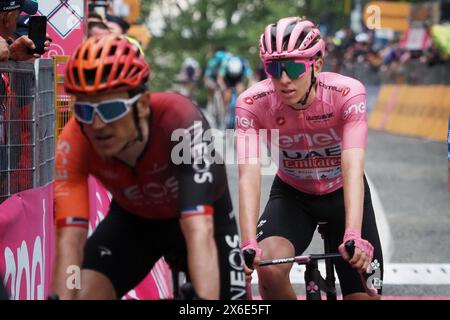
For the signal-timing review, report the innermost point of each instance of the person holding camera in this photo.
(20, 49)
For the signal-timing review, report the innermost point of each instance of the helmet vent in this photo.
(106, 72)
(119, 69)
(112, 51)
(89, 75)
(75, 75)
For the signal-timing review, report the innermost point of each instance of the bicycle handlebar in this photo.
(249, 256)
(300, 259)
(349, 247)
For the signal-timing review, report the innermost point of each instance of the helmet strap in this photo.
(140, 136)
(304, 100)
(136, 122)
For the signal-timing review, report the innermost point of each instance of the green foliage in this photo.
(192, 30)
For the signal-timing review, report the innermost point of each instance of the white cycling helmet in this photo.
(234, 67)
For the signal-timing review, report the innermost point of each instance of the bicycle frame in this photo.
(231, 114)
(314, 283)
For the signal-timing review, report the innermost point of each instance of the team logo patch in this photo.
(248, 100)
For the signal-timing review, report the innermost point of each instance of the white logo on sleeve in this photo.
(245, 122)
(355, 109)
(104, 251)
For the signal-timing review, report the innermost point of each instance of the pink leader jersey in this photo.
(310, 141)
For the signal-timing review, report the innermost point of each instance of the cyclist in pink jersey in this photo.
(320, 140)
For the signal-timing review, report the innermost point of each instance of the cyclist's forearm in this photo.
(249, 197)
(203, 261)
(353, 175)
(221, 82)
(69, 257)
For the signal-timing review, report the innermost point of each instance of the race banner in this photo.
(66, 24)
(26, 243)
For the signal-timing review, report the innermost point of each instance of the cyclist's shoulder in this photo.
(258, 95)
(73, 134)
(338, 84)
(73, 152)
(169, 100)
(170, 109)
(219, 56)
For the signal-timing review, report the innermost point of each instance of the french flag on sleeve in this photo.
(197, 210)
(73, 222)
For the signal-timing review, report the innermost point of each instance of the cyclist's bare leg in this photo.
(240, 87)
(226, 99)
(274, 280)
(191, 86)
(95, 286)
(361, 296)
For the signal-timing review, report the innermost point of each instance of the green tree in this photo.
(192, 27)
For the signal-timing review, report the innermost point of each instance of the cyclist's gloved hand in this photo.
(252, 254)
(363, 251)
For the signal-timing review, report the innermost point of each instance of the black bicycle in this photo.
(314, 282)
(182, 288)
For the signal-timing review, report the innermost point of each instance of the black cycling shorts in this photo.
(124, 247)
(231, 82)
(294, 215)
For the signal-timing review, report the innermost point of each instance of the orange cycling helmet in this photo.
(106, 64)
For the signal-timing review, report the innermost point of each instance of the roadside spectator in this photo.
(9, 16)
(97, 26)
(117, 25)
(13, 48)
(187, 78)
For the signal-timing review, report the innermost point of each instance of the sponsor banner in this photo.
(420, 111)
(416, 39)
(26, 243)
(66, 24)
(157, 283)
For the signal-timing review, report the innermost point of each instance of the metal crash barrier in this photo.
(63, 101)
(27, 121)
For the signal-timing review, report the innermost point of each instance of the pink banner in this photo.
(157, 283)
(66, 24)
(26, 243)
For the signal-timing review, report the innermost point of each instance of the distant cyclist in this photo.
(161, 206)
(321, 118)
(190, 73)
(213, 65)
(234, 73)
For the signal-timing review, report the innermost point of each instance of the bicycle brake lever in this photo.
(249, 257)
(350, 248)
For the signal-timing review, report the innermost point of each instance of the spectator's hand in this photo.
(21, 49)
(4, 50)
